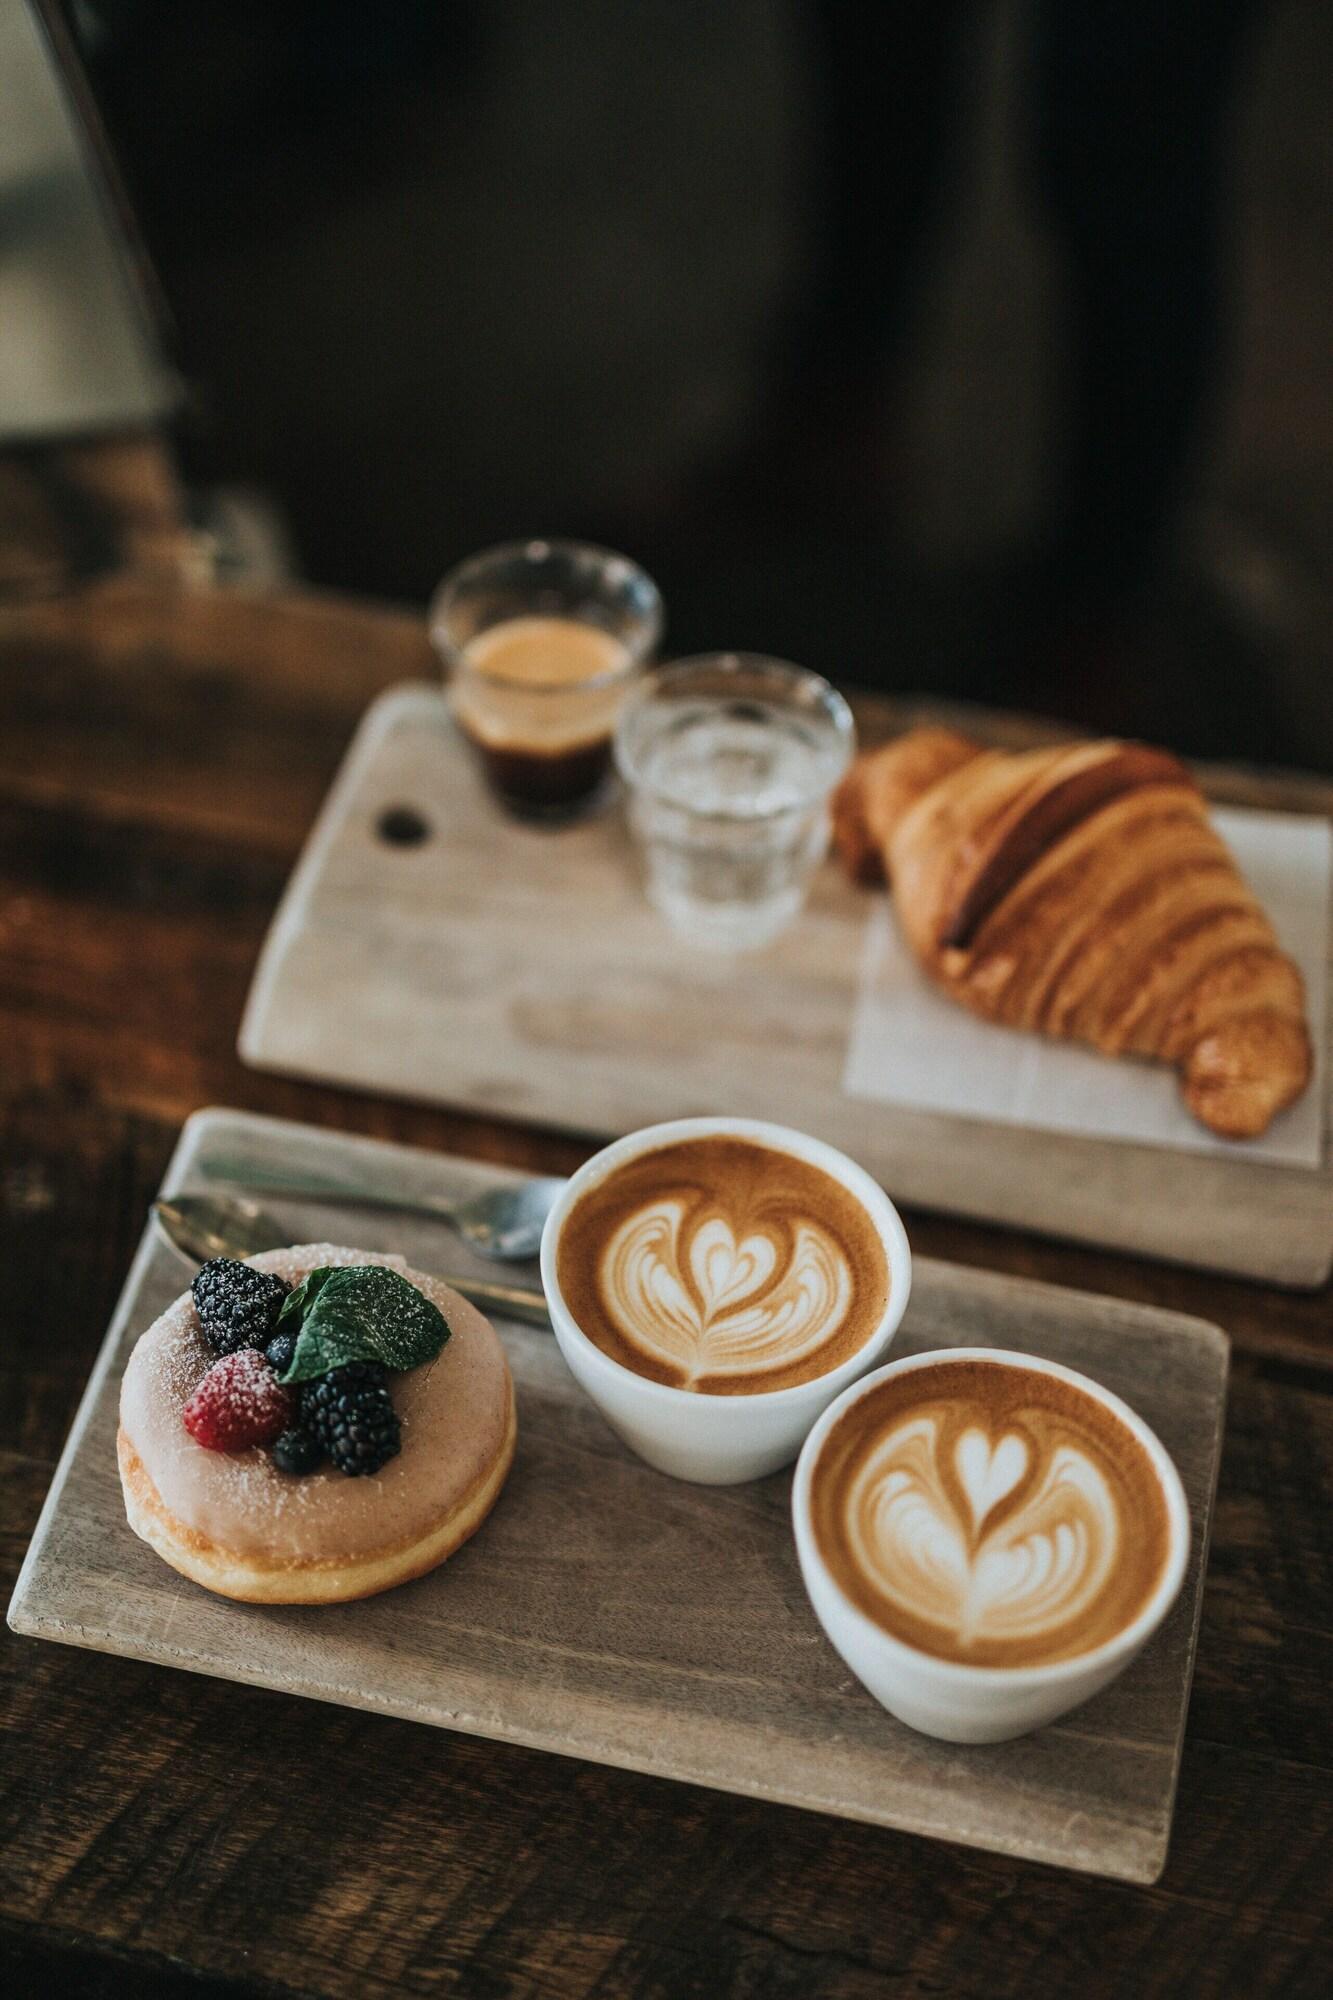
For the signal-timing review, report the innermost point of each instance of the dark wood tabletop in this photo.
(163, 749)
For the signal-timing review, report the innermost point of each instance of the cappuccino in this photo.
(724, 1266)
(989, 1514)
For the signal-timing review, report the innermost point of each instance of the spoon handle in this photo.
(520, 1302)
(308, 1188)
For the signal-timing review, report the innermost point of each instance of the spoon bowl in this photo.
(507, 1222)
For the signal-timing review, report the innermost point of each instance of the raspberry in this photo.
(239, 1403)
(237, 1305)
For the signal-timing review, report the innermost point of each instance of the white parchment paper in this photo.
(910, 1045)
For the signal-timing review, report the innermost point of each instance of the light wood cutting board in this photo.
(609, 1613)
(519, 972)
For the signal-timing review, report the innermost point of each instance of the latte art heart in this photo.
(989, 1514)
(983, 1571)
(687, 1291)
(988, 1472)
(723, 1266)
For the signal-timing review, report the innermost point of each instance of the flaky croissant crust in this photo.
(1081, 891)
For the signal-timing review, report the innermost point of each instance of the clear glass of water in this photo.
(729, 760)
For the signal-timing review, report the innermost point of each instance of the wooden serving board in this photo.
(609, 1613)
(520, 972)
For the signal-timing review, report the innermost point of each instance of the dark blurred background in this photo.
(971, 349)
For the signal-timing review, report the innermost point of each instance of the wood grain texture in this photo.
(608, 1613)
(162, 1832)
(521, 973)
(290, 1845)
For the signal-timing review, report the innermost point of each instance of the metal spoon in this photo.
(501, 1222)
(201, 1226)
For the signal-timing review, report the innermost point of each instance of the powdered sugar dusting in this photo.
(239, 1402)
(452, 1414)
(303, 1258)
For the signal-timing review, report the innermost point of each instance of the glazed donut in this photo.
(236, 1524)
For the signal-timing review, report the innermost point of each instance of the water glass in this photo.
(730, 759)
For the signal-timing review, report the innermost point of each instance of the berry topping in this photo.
(237, 1306)
(280, 1351)
(350, 1414)
(298, 1452)
(239, 1403)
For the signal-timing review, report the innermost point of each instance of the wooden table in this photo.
(162, 751)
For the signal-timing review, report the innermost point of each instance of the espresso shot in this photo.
(542, 642)
(537, 697)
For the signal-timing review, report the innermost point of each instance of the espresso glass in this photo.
(541, 642)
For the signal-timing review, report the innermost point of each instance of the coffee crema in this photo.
(989, 1514)
(539, 697)
(723, 1266)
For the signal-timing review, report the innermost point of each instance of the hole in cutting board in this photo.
(402, 826)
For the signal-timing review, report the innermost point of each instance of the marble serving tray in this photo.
(520, 973)
(609, 1613)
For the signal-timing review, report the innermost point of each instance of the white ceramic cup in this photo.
(946, 1698)
(719, 1440)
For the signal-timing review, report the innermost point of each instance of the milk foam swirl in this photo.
(723, 1266)
(988, 1536)
(685, 1289)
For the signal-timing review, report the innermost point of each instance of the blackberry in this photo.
(279, 1352)
(237, 1306)
(349, 1413)
(298, 1452)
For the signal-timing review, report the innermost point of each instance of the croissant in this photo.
(1082, 891)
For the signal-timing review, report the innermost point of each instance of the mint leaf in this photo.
(359, 1312)
(301, 1298)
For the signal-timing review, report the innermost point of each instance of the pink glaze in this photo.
(453, 1414)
